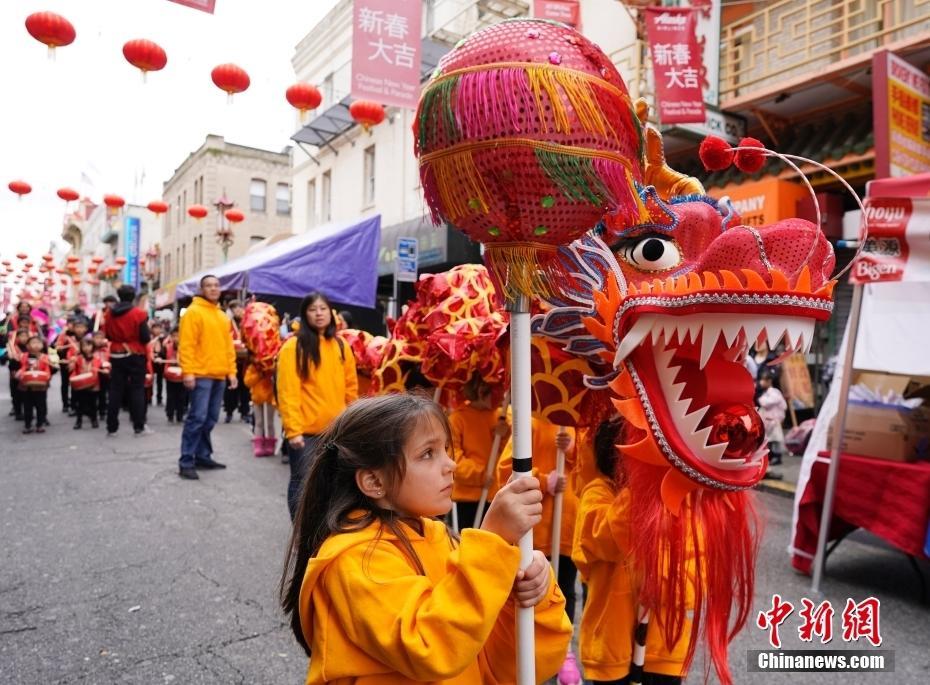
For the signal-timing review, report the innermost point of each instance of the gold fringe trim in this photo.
(454, 173)
(517, 267)
(471, 146)
(580, 94)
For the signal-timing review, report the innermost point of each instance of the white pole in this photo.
(520, 388)
(557, 510)
(639, 646)
(838, 428)
(489, 470)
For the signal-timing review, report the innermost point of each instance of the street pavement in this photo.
(116, 571)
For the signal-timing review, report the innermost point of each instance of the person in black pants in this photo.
(16, 350)
(157, 343)
(177, 395)
(64, 343)
(35, 400)
(238, 397)
(127, 328)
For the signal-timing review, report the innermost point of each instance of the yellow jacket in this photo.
(601, 553)
(260, 386)
(308, 405)
(206, 348)
(472, 437)
(369, 617)
(544, 461)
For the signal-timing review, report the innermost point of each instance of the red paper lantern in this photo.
(68, 194)
(20, 187)
(145, 55)
(230, 78)
(113, 201)
(51, 29)
(197, 211)
(60, 271)
(96, 260)
(367, 113)
(157, 207)
(76, 281)
(92, 269)
(304, 97)
(27, 265)
(94, 281)
(234, 215)
(47, 257)
(121, 261)
(22, 255)
(64, 281)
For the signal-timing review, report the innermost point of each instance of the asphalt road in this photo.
(116, 571)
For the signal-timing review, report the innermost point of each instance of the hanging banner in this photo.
(676, 64)
(202, 5)
(898, 245)
(565, 11)
(131, 270)
(386, 51)
(901, 112)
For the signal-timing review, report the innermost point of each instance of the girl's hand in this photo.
(516, 508)
(502, 429)
(556, 483)
(563, 441)
(532, 584)
(296, 442)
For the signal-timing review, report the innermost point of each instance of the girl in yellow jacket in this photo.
(473, 428)
(315, 381)
(601, 551)
(379, 591)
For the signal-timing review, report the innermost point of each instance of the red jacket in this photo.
(84, 365)
(127, 329)
(31, 363)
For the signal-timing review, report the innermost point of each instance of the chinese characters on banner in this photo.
(901, 111)
(566, 11)
(860, 621)
(386, 51)
(202, 5)
(898, 245)
(676, 64)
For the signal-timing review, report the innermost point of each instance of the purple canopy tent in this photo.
(338, 259)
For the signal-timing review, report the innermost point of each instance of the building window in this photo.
(311, 203)
(257, 190)
(184, 204)
(167, 268)
(328, 90)
(327, 199)
(368, 180)
(184, 258)
(200, 193)
(178, 205)
(282, 200)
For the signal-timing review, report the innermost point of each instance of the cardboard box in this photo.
(885, 431)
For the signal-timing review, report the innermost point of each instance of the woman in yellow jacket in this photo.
(601, 552)
(379, 591)
(473, 428)
(315, 381)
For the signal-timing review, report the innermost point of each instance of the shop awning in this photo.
(338, 259)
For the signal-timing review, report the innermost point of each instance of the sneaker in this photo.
(94, 423)
(229, 418)
(27, 430)
(111, 435)
(170, 419)
(188, 473)
(146, 431)
(208, 464)
(40, 429)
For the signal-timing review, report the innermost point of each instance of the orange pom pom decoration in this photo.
(715, 153)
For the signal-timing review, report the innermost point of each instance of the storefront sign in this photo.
(386, 51)
(566, 11)
(796, 381)
(763, 202)
(676, 64)
(898, 244)
(406, 264)
(731, 128)
(901, 111)
(131, 270)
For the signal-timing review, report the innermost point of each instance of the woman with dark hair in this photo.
(315, 382)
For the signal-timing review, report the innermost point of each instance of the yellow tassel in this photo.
(517, 265)
(458, 182)
(644, 217)
(580, 94)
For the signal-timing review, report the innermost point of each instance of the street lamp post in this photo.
(224, 234)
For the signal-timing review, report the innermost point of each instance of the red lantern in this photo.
(50, 28)
(64, 281)
(157, 207)
(7, 263)
(22, 255)
(145, 55)
(20, 188)
(94, 281)
(113, 201)
(121, 261)
(27, 265)
(92, 269)
(60, 271)
(76, 281)
(96, 260)
(68, 194)
(304, 97)
(73, 258)
(367, 113)
(230, 78)
(197, 211)
(47, 257)
(234, 216)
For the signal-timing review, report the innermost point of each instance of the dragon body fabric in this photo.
(664, 312)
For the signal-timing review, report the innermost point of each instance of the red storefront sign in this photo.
(676, 64)
(202, 5)
(565, 11)
(885, 255)
(386, 51)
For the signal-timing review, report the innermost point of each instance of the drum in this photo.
(174, 374)
(83, 381)
(35, 380)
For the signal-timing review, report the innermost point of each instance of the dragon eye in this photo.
(651, 253)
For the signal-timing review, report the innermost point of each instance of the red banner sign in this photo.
(898, 246)
(202, 5)
(566, 11)
(676, 64)
(386, 51)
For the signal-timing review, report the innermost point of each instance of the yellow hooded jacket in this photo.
(206, 347)
(369, 617)
(308, 405)
(601, 553)
(544, 461)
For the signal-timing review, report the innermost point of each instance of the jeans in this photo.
(127, 377)
(205, 401)
(299, 461)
